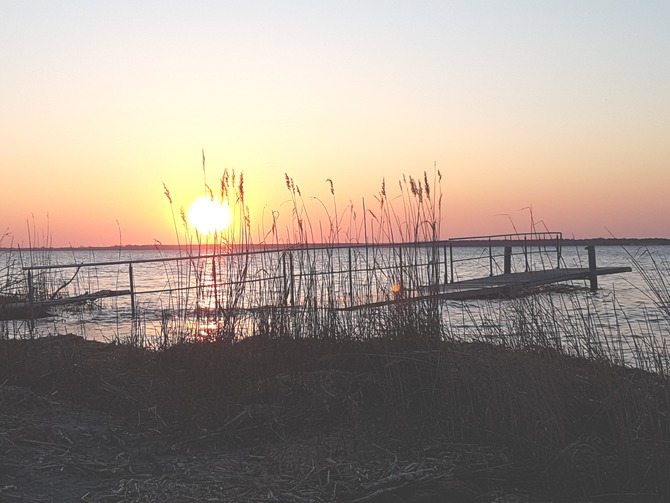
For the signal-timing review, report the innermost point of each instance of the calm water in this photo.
(624, 306)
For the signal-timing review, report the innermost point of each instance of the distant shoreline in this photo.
(470, 243)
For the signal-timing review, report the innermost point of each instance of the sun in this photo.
(209, 216)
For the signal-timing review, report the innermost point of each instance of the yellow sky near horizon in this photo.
(562, 106)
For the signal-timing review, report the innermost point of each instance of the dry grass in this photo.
(331, 421)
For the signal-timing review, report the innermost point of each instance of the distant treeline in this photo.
(468, 243)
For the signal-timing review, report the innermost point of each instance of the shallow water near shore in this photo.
(624, 306)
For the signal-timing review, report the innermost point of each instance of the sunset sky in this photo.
(562, 106)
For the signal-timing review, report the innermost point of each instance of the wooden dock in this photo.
(501, 286)
(517, 283)
(344, 278)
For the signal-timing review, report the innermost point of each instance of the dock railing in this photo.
(527, 251)
(336, 276)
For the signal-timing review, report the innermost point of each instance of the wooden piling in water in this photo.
(292, 272)
(132, 290)
(507, 267)
(351, 281)
(451, 261)
(525, 253)
(214, 285)
(593, 268)
(31, 299)
(490, 258)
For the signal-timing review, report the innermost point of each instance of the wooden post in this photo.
(451, 261)
(446, 266)
(351, 282)
(525, 253)
(290, 259)
(402, 279)
(367, 255)
(593, 269)
(490, 259)
(31, 299)
(31, 289)
(285, 275)
(132, 289)
(508, 260)
(215, 286)
(368, 283)
(435, 252)
(283, 270)
(558, 252)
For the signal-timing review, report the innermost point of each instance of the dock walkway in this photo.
(516, 283)
(501, 286)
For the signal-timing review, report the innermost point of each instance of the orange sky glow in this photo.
(559, 106)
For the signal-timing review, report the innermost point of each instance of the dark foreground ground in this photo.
(309, 421)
